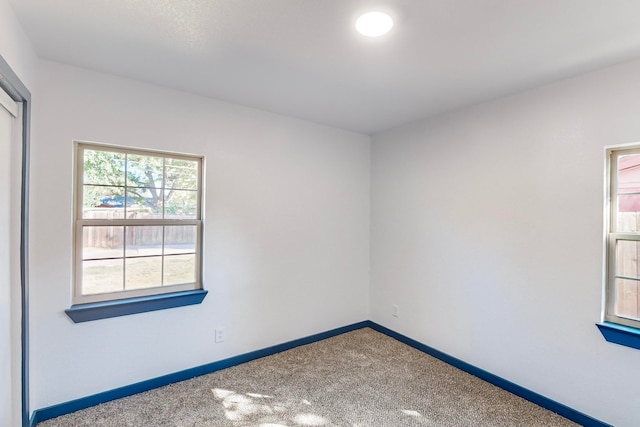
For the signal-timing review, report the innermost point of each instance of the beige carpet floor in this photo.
(361, 378)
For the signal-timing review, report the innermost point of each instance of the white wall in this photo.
(15, 47)
(286, 231)
(16, 50)
(487, 232)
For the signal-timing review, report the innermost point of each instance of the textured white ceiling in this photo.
(303, 58)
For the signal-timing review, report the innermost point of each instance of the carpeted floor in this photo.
(361, 378)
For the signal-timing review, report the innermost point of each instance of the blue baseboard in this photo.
(538, 399)
(107, 396)
(86, 402)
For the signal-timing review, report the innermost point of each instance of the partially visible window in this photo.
(138, 223)
(622, 305)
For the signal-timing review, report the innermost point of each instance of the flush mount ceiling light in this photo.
(374, 24)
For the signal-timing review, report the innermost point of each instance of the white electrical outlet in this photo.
(220, 335)
(395, 310)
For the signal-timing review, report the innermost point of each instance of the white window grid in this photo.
(614, 236)
(78, 296)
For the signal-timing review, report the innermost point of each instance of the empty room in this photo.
(319, 213)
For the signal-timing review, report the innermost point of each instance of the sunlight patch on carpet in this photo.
(411, 412)
(240, 407)
(263, 396)
(311, 420)
(221, 393)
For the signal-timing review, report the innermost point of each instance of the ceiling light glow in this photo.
(374, 24)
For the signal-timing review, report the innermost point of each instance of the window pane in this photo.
(181, 174)
(181, 205)
(628, 193)
(144, 171)
(628, 221)
(627, 299)
(629, 203)
(102, 202)
(629, 174)
(144, 203)
(143, 240)
(102, 276)
(103, 168)
(180, 239)
(143, 272)
(627, 258)
(179, 269)
(102, 242)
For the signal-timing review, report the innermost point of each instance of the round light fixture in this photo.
(374, 24)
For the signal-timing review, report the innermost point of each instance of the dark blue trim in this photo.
(96, 399)
(538, 399)
(124, 307)
(620, 334)
(12, 84)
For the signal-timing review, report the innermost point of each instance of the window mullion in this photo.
(164, 195)
(624, 236)
(137, 221)
(163, 258)
(124, 256)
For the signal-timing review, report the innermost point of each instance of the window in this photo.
(622, 298)
(138, 223)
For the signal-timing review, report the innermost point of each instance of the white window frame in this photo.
(80, 222)
(612, 235)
